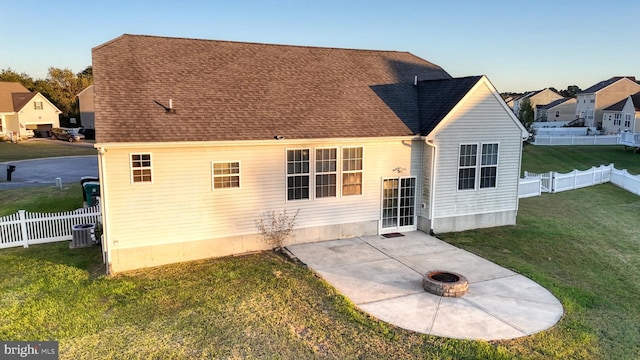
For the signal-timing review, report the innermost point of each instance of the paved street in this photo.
(40, 172)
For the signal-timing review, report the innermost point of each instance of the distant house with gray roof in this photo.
(562, 110)
(199, 139)
(538, 97)
(592, 101)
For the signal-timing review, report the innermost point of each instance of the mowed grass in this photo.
(564, 159)
(582, 245)
(34, 149)
(41, 199)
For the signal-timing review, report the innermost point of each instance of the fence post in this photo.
(23, 227)
(552, 182)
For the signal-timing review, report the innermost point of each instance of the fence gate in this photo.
(546, 180)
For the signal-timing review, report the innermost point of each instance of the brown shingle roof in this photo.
(225, 90)
(21, 99)
(7, 89)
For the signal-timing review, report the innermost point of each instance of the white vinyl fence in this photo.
(25, 228)
(529, 187)
(561, 131)
(623, 179)
(553, 182)
(575, 140)
(629, 139)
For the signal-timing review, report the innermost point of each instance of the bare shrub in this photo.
(276, 226)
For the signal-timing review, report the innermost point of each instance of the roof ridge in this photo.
(254, 43)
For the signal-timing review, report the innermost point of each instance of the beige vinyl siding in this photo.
(479, 119)
(47, 115)
(179, 204)
(612, 94)
(566, 111)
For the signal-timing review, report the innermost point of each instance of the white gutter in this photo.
(183, 144)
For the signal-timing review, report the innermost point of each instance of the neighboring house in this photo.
(538, 97)
(22, 110)
(87, 111)
(622, 116)
(592, 101)
(562, 110)
(200, 139)
(509, 101)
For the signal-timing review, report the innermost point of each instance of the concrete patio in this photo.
(383, 277)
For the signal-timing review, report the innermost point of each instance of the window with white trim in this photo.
(326, 172)
(141, 168)
(627, 120)
(225, 175)
(351, 171)
(297, 174)
(489, 166)
(470, 165)
(467, 167)
(38, 105)
(617, 118)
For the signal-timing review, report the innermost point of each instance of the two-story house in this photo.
(538, 97)
(22, 110)
(592, 101)
(561, 110)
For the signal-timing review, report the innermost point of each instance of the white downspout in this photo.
(432, 180)
(102, 174)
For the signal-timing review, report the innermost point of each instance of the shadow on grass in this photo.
(88, 259)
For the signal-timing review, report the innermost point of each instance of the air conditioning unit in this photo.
(83, 235)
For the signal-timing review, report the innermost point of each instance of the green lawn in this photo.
(582, 245)
(41, 199)
(35, 148)
(564, 159)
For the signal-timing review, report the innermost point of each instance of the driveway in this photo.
(38, 172)
(383, 277)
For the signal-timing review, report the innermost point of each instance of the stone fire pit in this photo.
(445, 283)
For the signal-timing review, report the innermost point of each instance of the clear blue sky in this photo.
(520, 46)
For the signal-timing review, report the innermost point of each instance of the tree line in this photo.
(60, 87)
